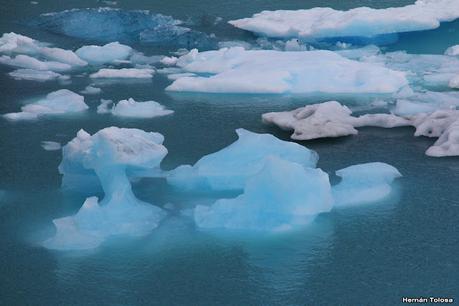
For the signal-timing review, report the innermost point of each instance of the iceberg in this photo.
(62, 101)
(331, 119)
(124, 73)
(134, 109)
(109, 153)
(126, 26)
(36, 75)
(236, 70)
(452, 51)
(282, 195)
(107, 54)
(364, 183)
(323, 23)
(231, 167)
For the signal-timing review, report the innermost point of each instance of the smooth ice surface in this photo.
(132, 108)
(324, 22)
(364, 183)
(236, 70)
(59, 102)
(110, 153)
(36, 75)
(281, 196)
(232, 166)
(106, 54)
(51, 145)
(124, 73)
(110, 24)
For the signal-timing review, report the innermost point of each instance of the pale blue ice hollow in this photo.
(126, 26)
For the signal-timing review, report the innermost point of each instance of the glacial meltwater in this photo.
(264, 220)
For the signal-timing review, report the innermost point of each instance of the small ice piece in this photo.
(448, 142)
(34, 2)
(236, 70)
(323, 22)
(28, 62)
(169, 60)
(364, 183)
(36, 75)
(147, 109)
(104, 106)
(90, 90)
(282, 195)
(58, 102)
(50, 145)
(110, 153)
(134, 73)
(107, 54)
(452, 51)
(454, 82)
(229, 168)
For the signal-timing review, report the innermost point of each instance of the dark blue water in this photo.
(370, 255)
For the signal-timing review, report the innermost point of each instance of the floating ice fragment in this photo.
(229, 168)
(452, 51)
(110, 153)
(454, 82)
(323, 22)
(58, 102)
(36, 75)
(282, 195)
(236, 70)
(132, 73)
(107, 54)
(50, 145)
(103, 107)
(28, 62)
(364, 183)
(90, 90)
(147, 109)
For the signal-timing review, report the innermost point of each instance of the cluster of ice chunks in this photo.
(111, 24)
(281, 187)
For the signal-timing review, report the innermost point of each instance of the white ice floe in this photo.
(58, 102)
(452, 51)
(282, 195)
(51, 145)
(134, 109)
(110, 153)
(323, 22)
(91, 90)
(28, 62)
(364, 183)
(169, 60)
(36, 75)
(229, 168)
(106, 54)
(16, 44)
(454, 82)
(236, 70)
(331, 119)
(135, 73)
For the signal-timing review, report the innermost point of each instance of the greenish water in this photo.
(370, 255)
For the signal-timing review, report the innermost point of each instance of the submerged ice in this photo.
(109, 153)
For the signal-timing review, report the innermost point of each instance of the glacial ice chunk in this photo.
(448, 142)
(62, 101)
(236, 70)
(134, 109)
(91, 90)
(364, 183)
(126, 26)
(51, 145)
(454, 82)
(452, 51)
(124, 73)
(28, 62)
(323, 22)
(231, 167)
(282, 195)
(109, 153)
(36, 75)
(107, 54)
